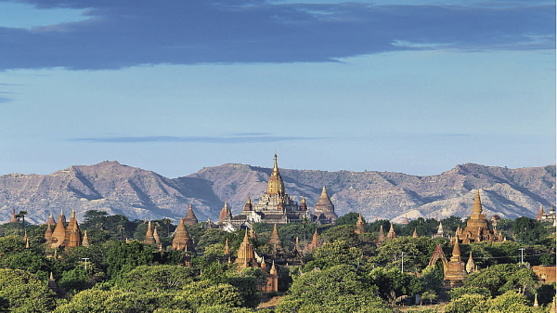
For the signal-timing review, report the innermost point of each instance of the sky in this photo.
(173, 86)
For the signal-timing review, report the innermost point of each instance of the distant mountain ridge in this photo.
(139, 194)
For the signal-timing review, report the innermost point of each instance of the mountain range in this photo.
(142, 194)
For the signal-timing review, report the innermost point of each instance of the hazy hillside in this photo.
(508, 192)
(138, 193)
(108, 186)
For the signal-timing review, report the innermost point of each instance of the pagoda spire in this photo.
(275, 241)
(325, 206)
(50, 221)
(477, 208)
(225, 214)
(73, 232)
(85, 241)
(190, 219)
(391, 234)
(541, 213)
(248, 206)
(470, 265)
(149, 238)
(157, 238)
(52, 284)
(381, 235)
(456, 252)
(252, 233)
(415, 233)
(48, 234)
(226, 249)
(440, 231)
(14, 217)
(59, 234)
(314, 241)
(275, 185)
(182, 237)
(246, 255)
(360, 225)
(297, 248)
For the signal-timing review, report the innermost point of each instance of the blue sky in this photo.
(173, 86)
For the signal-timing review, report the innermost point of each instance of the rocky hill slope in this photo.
(139, 194)
(508, 192)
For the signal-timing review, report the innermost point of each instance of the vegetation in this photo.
(346, 273)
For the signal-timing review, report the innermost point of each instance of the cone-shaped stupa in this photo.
(325, 206)
(149, 238)
(85, 241)
(59, 234)
(225, 214)
(391, 234)
(50, 221)
(182, 237)
(73, 232)
(190, 219)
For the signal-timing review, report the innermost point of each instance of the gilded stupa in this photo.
(275, 206)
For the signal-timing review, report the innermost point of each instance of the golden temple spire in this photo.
(415, 233)
(248, 206)
(275, 185)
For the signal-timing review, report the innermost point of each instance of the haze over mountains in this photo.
(139, 194)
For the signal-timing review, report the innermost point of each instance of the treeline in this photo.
(348, 272)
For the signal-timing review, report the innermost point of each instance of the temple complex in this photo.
(247, 257)
(62, 236)
(455, 271)
(543, 216)
(275, 206)
(477, 228)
